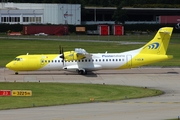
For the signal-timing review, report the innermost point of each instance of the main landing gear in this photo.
(82, 72)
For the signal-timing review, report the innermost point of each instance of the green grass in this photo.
(48, 94)
(10, 48)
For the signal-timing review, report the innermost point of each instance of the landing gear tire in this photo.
(82, 72)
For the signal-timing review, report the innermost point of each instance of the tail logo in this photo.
(153, 45)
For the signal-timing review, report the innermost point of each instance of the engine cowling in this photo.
(72, 55)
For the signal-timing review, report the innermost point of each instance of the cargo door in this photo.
(129, 61)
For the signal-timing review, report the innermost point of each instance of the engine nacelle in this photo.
(72, 55)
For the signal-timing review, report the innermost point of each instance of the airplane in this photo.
(82, 62)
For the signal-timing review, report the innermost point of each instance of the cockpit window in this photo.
(18, 59)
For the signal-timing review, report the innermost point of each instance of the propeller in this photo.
(61, 51)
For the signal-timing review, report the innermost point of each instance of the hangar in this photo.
(103, 15)
(32, 13)
(71, 14)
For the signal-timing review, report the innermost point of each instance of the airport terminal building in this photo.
(33, 13)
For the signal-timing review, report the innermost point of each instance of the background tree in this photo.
(120, 15)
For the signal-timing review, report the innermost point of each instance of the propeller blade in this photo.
(60, 52)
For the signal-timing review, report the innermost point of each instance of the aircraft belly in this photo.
(52, 67)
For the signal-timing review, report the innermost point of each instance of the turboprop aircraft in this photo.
(81, 61)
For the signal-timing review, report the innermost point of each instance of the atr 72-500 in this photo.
(82, 62)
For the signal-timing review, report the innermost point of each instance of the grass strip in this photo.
(49, 94)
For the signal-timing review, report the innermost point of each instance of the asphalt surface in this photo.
(161, 107)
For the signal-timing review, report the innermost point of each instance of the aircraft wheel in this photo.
(82, 72)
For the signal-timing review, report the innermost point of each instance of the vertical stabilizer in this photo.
(159, 44)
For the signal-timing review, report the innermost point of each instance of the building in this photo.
(103, 15)
(32, 13)
(70, 14)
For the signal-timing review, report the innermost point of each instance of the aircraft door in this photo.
(42, 61)
(129, 60)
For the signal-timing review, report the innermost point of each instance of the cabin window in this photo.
(89, 60)
(52, 61)
(85, 60)
(103, 60)
(99, 60)
(109, 59)
(55, 61)
(49, 61)
(106, 59)
(58, 60)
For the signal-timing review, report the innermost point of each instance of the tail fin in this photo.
(159, 44)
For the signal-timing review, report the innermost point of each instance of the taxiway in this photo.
(161, 107)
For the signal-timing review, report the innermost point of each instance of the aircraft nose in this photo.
(8, 65)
